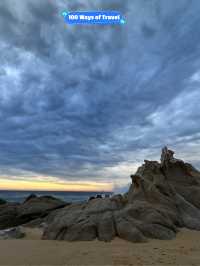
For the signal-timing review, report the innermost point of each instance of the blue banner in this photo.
(95, 17)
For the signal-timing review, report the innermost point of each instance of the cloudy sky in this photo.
(81, 107)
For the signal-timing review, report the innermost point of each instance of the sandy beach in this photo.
(184, 250)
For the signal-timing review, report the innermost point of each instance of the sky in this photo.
(81, 106)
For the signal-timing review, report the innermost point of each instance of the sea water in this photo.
(20, 196)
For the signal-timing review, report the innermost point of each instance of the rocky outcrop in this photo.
(31, 196)
(12, 233)
(162, 198)
(13, 214)
(84, 221)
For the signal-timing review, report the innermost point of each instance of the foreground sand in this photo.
(184, 250)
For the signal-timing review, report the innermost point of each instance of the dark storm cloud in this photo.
(91, 102)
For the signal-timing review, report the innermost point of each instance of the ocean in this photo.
(20, 196)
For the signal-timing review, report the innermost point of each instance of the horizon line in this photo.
(87, 191)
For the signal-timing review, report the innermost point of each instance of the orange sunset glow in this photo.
(53, 186)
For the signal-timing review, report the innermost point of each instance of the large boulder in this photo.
(84, 221)
(162, 198)
(8, 215)
(13, 214)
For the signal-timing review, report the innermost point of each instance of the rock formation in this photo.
(13, 214)
(12, 233)
(163, 197)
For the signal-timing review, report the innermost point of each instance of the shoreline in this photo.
(9, 196)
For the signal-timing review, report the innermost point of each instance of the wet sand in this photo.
(184, 250)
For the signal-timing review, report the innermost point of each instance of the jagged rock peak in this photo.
(167, 156)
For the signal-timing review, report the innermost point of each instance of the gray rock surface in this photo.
(12, 233)
(162, 198)
(13, 214)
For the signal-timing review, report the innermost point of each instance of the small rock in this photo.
(12, 233)
(91, 198)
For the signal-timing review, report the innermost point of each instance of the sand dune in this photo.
(184, 250)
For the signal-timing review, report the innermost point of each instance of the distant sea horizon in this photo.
(68, 196)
